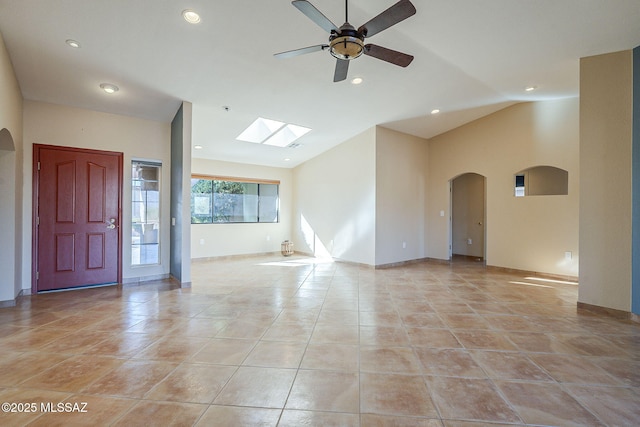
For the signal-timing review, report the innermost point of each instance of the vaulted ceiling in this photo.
(471, 58)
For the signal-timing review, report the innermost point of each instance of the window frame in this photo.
(158, 166)
(238, 180)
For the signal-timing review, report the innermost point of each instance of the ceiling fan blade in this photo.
(315, 15)
(392, 56)
(396, 13)
(342, 67)
(301, 51)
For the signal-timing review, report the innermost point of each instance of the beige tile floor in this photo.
(268, 341)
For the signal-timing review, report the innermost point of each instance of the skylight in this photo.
(286, 135)
(272, 132)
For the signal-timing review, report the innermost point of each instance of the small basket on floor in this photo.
(287, 248)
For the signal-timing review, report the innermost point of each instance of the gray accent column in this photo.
(635, 186)
(180, 221)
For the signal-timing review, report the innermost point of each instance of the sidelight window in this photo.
(145, 213)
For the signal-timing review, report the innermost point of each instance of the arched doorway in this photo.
(8, 282)
(468, 216)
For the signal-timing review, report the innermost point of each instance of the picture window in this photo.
(232, 200)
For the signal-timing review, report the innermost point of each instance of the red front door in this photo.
(77, 199)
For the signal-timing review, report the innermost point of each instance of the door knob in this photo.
(111, 224)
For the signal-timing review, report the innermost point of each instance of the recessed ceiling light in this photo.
(287, 159)
(190, 16)
(356, 80)
(109, 88)
(197, 147)
(530, 88)
(435, 111)
(73, 43)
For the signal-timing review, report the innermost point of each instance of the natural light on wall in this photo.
(272, 132)
(312, 240)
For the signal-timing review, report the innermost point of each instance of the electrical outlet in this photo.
(469, 242)
(568, 255)
(404, 245)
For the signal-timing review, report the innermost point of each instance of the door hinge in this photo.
(37, 220)
(37, 275)
(38, 165)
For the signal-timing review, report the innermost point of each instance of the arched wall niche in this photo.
(542, 181)
(6, 141)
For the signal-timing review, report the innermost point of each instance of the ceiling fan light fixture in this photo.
(346, 47)
(347, 42)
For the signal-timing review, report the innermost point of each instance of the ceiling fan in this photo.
(347, 43)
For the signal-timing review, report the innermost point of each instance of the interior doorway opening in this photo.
(467, 226)
(9, 235)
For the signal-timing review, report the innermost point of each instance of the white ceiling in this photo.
(472, 57)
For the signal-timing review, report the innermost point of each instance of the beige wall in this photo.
(364, 199)
(137, 138)
(334, 201)
(400, 203)
(605, 184)
(11, 154)
(527, 233)
(212, 240)
(401, 196)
